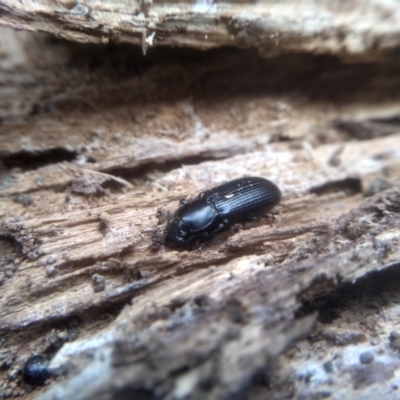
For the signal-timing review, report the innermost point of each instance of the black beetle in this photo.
(36, 370)
(219, 208)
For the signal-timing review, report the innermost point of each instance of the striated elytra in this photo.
(219, 208)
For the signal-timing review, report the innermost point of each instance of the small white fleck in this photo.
(229, 196)
(153, 14)
(149, 39)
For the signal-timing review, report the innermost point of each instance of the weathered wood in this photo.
(96, 156)
(366, 29)
(173, 325)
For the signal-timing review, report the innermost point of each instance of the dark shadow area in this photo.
(129, 393)
(373, 291)
(10, 249)
(350, 186)
(369, 129)
(110, 75)
(142, 170)
(394, 121)
(30, 160)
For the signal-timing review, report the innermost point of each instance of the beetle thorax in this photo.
(197, 214)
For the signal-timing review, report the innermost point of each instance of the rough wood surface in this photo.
(99, 142)
(368, 29)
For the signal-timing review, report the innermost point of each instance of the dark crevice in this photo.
(69, 266)
(70, 327)
(9, 251)
(369, 129)
(350, 186)
(373, 291)
(113, 306)
(30, 160)
(393, 120)
(218, 74)
(9, 244)
(142, 170)
(131, 392)
(248, 251)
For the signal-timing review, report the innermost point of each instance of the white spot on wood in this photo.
(203, 6)
(149, 39)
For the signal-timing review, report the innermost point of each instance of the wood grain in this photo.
(98, 143)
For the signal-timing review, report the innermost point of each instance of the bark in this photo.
(98, 143)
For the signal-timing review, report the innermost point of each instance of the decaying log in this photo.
(98, 143)
(368, 29)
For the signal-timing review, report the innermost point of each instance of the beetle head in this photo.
(177, 232)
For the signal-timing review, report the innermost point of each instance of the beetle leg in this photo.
(269, 216)
(222, 226)
(182, 202)
(236, 227)
(204, 194)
